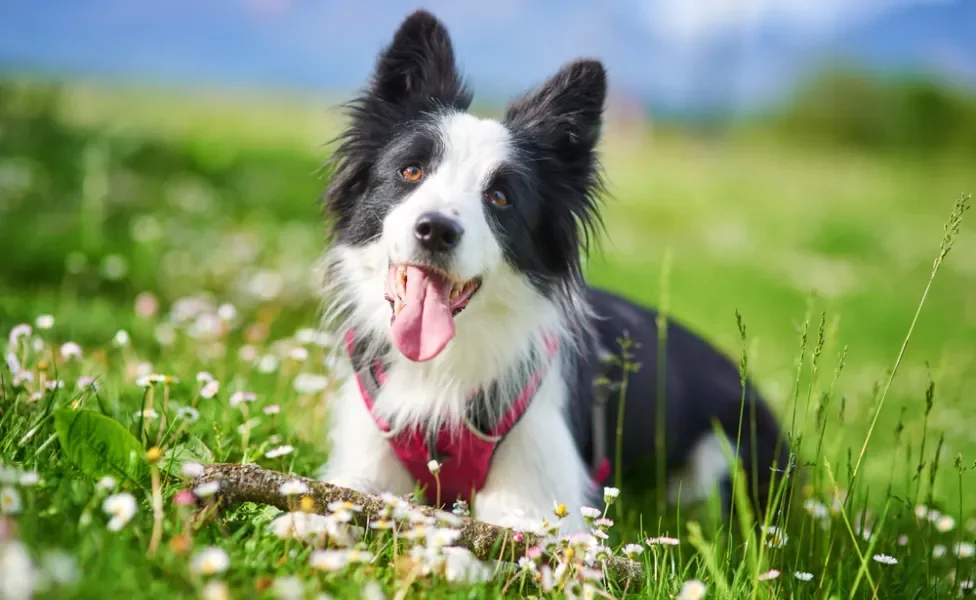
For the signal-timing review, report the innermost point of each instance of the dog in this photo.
(482, 362)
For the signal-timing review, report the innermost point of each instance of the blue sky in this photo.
(670, 52)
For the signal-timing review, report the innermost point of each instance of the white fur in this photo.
(706, 467)
(537, 464)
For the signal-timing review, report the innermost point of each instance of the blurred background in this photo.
(793, 161)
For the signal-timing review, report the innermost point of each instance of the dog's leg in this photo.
(536, 467)
(360, 457)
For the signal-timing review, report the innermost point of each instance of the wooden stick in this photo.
(251, 483)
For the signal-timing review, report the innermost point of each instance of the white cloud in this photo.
(691, 23)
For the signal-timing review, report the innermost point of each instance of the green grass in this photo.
(109, 200)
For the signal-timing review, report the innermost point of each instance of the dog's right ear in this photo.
(418, 66)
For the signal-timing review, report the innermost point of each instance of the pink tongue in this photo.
(425, 325)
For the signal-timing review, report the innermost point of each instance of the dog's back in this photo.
(700, 388)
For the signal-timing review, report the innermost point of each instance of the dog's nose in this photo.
(438, 233)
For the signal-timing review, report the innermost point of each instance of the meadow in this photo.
(158, 285)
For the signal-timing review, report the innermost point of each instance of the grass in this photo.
(128, 215)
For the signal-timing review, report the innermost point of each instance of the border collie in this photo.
(454, 275)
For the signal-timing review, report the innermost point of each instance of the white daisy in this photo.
(44, 321)
(632, 550)
(293, 487)
(692, 590)
(207, 489)
(210, 389)
(107, 483)
(272, 409)
(70, 351)
(29, 478)
(768, 575)
(191, 469)
(121, 338)
(589, 513)
(121, 507)
(610, 494)
(188, 413)
(240, 397)
(662, 541)
(279, 451)
(885, 559)
(9, 501)
(803, 576)
(210, 561)
(214, 590)
(307, 383)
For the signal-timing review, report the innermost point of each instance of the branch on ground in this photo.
(251, 483)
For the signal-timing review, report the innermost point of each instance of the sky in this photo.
(669, 52)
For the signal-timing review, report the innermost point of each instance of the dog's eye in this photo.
(411, 173)
(497, 197)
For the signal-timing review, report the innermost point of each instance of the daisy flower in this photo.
(268, 364)
(610, 494)
(44, 322)
(189, 413)
(434, 467)
(589, 513)
(632, 550)
(768, 575)
(19, 331)
(107, 483)
(210, 561)
(298, 354)
(121, 338)
(307, 383)
(210, 389)
(945, 523)
(121, 507)
(293, 487)
(279, 451)
(803, 576)
(205, 490)
(272, 409)
(238, 398)
(29, 478)
(662, 541)
(9, 501)
(191, 469)
(692, 590)
(70, 351)
(885, 559)
(328, 560)
(214, 590)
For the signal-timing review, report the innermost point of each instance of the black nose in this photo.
(438, 233)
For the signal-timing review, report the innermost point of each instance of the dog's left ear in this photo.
(565, 113)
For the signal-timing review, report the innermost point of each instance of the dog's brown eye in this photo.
(498, 198)
(411, 173)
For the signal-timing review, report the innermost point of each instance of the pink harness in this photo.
(465, 454)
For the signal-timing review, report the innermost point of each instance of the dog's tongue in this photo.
(425, 325)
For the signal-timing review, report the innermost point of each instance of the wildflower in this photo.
(306, 336)
(272, 409)
(965, 550)
(434, 467)
(19, 331)
(279, 451)
(662, 541)
(768, 575)
(938, 551)
(207, 489)
(29, 478)
(191, 469)
(146, 305)
(214, 590)
(106, 483)
(560, 511)
(13, 364)
(165, 335)
(210, 561)
(9, 501)
(121, 338)
(44, 322)
(945, 523)
(184, 498)
(372, 591)
(17, 572)
(210, 389)
(60, 566)
(23, 378)
(54, 384)
(692, 590)
(632, 550)
(300, 525)
(966, 586)
(547, 581)
(816, 509)
(289, 588)
(239, 397)
(293, 487)
(442, 536)
(461, 509)
(775, 537)
(610, 494)
(381, 524)
(885, 559)
(70, 350)
(121, 507)
(248, 425)
(600, 534)
(527, 564)
(298, 354)
(268, 364)
(307, 383)
(189, 413)
(247, 353)
(85, 382)
(338, 505)
(227, 312)
(328, 560)
(803, 576)
(146, 414)
(589, 513)
(204, 377)
(902, 540)
(603, 523)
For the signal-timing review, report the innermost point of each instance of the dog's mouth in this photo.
(424, 302)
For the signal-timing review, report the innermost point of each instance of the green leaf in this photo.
(190, 449)
(99, 445)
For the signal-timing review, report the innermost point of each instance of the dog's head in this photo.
(435, 211)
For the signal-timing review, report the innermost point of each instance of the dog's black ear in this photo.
(419, 65)
(566, 112)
